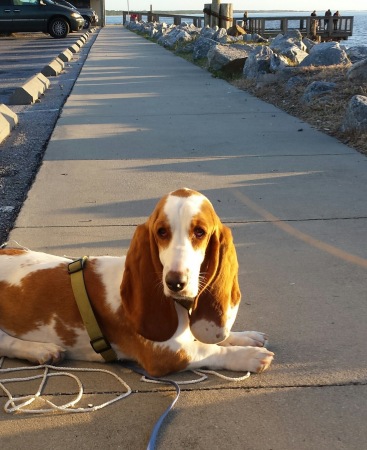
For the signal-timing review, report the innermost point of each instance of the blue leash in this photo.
(157, 426)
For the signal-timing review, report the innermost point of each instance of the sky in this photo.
(287, 5)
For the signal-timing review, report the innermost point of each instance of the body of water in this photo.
(359, 29)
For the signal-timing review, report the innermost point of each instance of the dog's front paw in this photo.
(246, 338)
(248, 359)
(258, 339)
(259, 359)
(46, 353)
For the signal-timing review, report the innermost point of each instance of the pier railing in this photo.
(149, 16)
(320, 28)
(323, 28)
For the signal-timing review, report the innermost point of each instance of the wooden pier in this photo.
(317, 28)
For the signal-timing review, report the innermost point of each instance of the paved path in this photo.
(141, 122)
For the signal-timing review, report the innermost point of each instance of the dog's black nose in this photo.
(176, 281)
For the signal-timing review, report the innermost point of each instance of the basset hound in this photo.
(169, 305)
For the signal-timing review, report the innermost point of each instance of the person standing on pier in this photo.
(245, 18)
(335, 20)
(314, 25)
(326, 20)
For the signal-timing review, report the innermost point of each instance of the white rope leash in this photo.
(5, 244)
(202, 373)
(18, 404)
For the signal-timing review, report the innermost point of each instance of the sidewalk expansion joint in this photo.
(311, 219)
(257, 388)
(87, 223)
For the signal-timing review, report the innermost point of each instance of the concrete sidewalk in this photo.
(141, 122)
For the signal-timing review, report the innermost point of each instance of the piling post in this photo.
(207, 8)
(150, 14)
(214, 18)
(226, 15)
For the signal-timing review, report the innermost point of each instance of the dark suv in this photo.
(38, 15)
(89, 15)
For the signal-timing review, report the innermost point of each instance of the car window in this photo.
(26, 2)
(81, 3)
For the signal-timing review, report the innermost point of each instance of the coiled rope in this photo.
(19, 404)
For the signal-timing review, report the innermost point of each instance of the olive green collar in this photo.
(98, 342)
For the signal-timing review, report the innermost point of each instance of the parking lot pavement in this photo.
(23, 55)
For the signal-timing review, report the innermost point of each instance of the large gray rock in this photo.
(158, 30)
(287, 40)
(294, 34)
(358, 72)
(309, 43)
(221, 35)
(202, 46)
(278, 62)
(317, 89)
(290, 46)
(355, 118)
(175, 36)
(152, 29)
(293, 53)
(207, 32)
(357, 53)
(220, 55)
(258, 62)
(326, 54)
(135, 26)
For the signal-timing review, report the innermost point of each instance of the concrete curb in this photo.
(66, 55)
(8, 121)
(74, 48)
(31, 90)
(53, 68)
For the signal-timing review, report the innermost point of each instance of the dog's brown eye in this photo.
(199, 232)
(162, 232)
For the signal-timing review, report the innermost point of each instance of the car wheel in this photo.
(86, 22)
(59, 28)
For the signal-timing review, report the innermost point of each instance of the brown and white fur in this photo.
(183, 253)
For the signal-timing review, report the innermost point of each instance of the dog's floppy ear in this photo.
(216, 305)
(151, 313)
